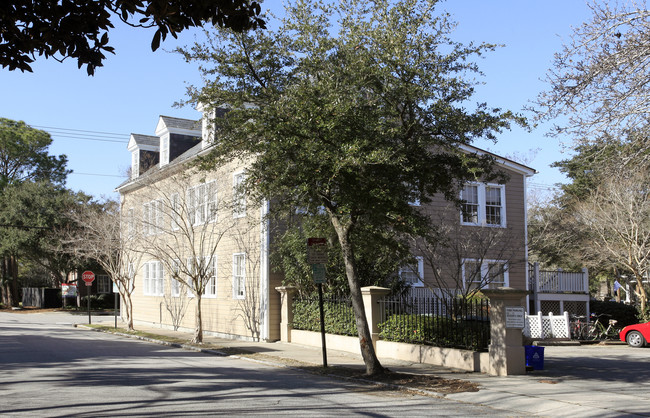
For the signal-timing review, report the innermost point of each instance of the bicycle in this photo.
(597, 330)
(577, 326)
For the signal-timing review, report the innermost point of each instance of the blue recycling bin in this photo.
(534, 357)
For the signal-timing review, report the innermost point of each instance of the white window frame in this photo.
(175, 211)
(211, 201)
(153, 220)
(175, 285)
(239, 276)
(135, 164)
(164, 150)
(153, 279)
(130, 220)
(190, 264)
(238, 195)
(482, 206)
(484, 273)
(202, 203)
(409, 270)
(211, 284)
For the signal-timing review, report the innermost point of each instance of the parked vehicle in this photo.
(636, 335)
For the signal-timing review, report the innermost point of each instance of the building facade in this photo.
(202, 241)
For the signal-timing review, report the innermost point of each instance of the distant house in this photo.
(191, 220)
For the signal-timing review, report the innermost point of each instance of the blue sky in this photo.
(136, 85)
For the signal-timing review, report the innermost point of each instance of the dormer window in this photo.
(144, 153)
(176, 137)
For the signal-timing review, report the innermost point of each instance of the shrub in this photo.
(102, 301)
(339, 317)
(624, 314)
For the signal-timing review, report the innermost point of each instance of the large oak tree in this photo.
(351, 109)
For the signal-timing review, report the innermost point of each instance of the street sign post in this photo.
(317, 257)
(317, 250)
(88, 277)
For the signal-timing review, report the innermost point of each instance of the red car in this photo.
(636, 335)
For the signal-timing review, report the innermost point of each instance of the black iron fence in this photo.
(451, 322)
(417, 319)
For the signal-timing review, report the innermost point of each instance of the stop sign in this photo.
(88, 277)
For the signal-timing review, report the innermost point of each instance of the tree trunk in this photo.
(127, 304)
(4, 283)
(373, 366)
(198, 328)
(643, 297)
(10, 295)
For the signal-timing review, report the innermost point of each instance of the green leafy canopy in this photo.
(360, 121)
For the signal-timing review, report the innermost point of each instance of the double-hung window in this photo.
(175, 211)
(413, 274)
(483, 204)
(211, 207)
(238, 196)
(239, 276)
(104, 284)
(154, 278)
(175, 284)
(202, 203)
(130, 223)
(210, 276)
(152, 217)
(486, 274)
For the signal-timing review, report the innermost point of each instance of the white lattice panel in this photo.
(551, 326)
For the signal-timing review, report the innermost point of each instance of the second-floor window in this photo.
(130, 218)
(202, 203)
(175, 211)
(238, 196)
(152, 217)
(483, 204)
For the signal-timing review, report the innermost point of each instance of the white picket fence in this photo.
(551, 326)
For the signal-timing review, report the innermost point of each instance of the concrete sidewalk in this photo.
(559, 390)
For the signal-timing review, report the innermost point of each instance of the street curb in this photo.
(265, 362)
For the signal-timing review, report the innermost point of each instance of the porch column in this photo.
(286, 312)
(371, 296)
(507, 355)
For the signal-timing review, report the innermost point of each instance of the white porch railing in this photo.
(551, 326)
(543, 281)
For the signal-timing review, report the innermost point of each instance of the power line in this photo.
(80, 134)
(120, 135)
(98, 174)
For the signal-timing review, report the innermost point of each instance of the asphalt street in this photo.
(52, 369)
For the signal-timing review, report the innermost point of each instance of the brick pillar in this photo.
(371, 296)
(507, 355)
(286, 312)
